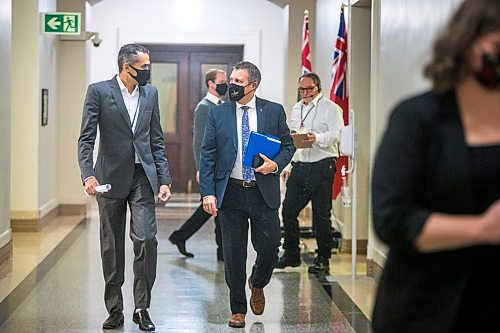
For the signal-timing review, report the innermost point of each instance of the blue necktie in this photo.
(245, 135)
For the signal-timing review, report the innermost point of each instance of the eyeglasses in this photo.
(306, 89)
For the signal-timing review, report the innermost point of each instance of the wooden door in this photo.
(178, 71)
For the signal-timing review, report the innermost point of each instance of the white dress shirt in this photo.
(212, 98)
(131, 101)
(252, 118)
(322, 117)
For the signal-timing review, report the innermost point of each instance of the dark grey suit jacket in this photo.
(220, 148)
(200, 120)
(104, 106)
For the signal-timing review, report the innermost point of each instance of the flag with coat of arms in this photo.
(338, 92)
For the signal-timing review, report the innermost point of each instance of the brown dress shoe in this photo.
(237, 320)
(257, 300)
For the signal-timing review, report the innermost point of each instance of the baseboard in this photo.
(25, 287)
(5, 259)
(373, 269)
(66, 210)
(36, 224)
(362, 246)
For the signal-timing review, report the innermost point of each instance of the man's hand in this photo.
(210, 205)
(164, 194)
(284, 175)
(90, 185)
(267, 167)
(311, 137)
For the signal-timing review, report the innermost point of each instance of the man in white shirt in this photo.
(310, 175)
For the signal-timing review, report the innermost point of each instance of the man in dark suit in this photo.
(215, 80)
(132, 159)
(237, 193)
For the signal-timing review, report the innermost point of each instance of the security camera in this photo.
(94, 38)
(96, 41)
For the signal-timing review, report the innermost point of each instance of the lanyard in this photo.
(135, 114)
(302, 119)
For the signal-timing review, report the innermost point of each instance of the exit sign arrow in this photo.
(53, 23)
(61, 23)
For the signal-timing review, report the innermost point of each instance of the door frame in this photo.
(193, 56)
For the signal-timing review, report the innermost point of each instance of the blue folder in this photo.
(264, 144)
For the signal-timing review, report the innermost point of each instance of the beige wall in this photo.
(294, 18)
(256, 24)
(44, 171)
(72, 80)
(5, 107)
(385, 62)
(69, 110)
(47, 137)
(326, 29)
(401, 43)
(25, 110)
(359, 100)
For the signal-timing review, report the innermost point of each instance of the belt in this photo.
(329, 160)
(243, 183)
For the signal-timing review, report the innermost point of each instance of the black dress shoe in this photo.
(143, 320)
(114, 320)
(181, 246)
(321, 265)
(287, 260)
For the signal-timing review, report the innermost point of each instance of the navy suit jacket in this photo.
(220, 147)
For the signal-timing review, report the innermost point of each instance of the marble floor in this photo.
(64, 291)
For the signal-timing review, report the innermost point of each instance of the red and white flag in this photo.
(306, 51)
(338, 92)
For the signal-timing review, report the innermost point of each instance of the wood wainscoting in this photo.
(373, 269)
(36, 224)
(5, 259)
(362, 246)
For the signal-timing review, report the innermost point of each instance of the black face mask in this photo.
(142, 76)
(489, 73)
(237, 92)
(221, 88)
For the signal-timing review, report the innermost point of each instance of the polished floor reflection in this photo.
(190, 295)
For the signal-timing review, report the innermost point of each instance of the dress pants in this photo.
(194, 223)
(112, 213)
(309, 182)
(240, 205)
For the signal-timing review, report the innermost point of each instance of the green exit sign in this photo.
(61, 23)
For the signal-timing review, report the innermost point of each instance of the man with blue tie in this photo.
(237, 193)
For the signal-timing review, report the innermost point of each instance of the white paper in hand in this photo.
(103, 188)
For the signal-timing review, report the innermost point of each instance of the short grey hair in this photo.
(128, 54)
(253, 71)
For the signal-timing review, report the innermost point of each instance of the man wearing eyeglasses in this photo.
(315, 124)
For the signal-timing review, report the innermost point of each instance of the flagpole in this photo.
(354, 206)
(354, 228)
